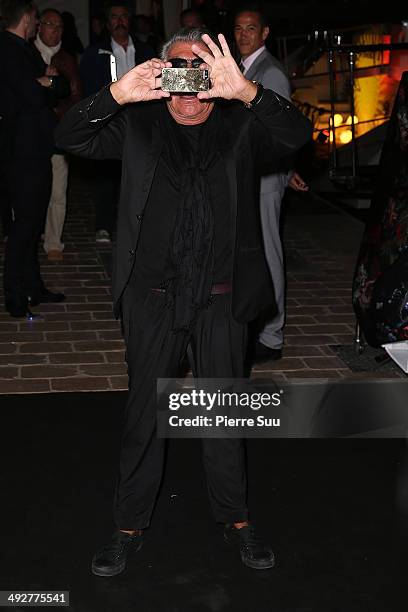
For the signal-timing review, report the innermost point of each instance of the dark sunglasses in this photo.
(180, 62)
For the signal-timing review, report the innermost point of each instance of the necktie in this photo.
(241, 66)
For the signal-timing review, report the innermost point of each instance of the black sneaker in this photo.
(17, 306)
(254, 553)
(111, 560)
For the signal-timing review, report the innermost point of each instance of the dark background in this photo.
(300, 16)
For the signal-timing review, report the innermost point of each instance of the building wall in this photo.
(79, 8)
(171, 10)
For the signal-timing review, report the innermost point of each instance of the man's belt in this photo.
(216, 289)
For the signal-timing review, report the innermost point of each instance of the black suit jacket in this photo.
(27, 120)
(99, 128)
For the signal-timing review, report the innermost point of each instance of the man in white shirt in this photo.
(122, 44)
(251, 31)
(96, 72)
(95, 65)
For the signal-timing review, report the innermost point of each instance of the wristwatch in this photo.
(258, 95)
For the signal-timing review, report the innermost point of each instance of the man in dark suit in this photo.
(189, 265)
(27, 124)
(113, 56)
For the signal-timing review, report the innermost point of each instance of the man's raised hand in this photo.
(227, 81)
(141, 84)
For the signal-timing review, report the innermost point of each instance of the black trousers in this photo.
(5, 204)
(29, 189)
(104, 178)
(218, 345)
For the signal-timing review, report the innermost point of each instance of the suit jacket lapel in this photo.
(251, 74)
(151, 161)
(227, 152)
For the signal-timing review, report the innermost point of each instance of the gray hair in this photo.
(193, 35)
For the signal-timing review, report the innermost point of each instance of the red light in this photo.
(386, 54)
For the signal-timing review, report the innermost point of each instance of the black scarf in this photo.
(192, 240)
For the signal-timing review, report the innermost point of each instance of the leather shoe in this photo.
(265, 353)
(111, 559)
(45, 297)
(254, 553)
(17, 306)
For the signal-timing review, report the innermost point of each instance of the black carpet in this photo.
(336, 512)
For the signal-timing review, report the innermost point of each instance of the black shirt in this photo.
(153, 266)
(28, 121)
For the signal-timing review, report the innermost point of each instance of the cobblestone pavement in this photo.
(77, 345)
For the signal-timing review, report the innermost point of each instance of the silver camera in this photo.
(185, 80)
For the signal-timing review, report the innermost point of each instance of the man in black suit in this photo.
(26, 134)
(189, 267)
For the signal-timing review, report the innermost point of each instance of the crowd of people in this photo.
(55, 72)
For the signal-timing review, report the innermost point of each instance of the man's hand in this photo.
(227, 81)
(44, 81)
(51, 71)
(141, 84)
(297, 183)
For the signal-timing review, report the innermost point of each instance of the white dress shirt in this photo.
(125, 60)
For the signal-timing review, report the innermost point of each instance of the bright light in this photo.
(346, 136)
(349, 120)
(337, 119)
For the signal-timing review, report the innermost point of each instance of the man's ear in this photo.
(265, 33)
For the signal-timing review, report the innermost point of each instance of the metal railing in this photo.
(350, 52)
(317, 41)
